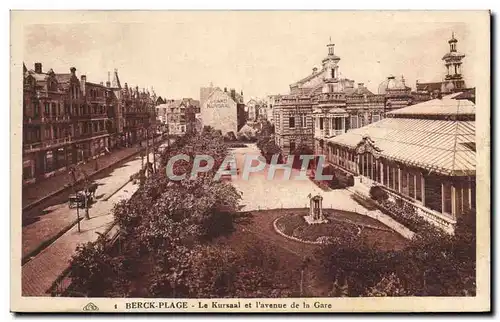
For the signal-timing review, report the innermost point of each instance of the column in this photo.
(422, 182)
(399, 179)
(381, 169)
(456, 207)
(442, 198)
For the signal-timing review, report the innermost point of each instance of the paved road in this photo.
(261, 193)
(39, 273)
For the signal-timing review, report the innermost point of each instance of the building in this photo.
(139, 114)
(222, 109)
(337, 106)
(179, 115)
(453, 81)
(67, 120)
(423, 156)
(257, 109)
(292, 116)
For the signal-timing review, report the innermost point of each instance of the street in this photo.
(260, 193)
(41, 271)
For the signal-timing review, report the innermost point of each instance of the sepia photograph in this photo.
(250, 161)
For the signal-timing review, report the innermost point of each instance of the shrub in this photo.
(378, 193)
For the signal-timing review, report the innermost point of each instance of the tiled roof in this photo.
(434, 145)
(447, 105)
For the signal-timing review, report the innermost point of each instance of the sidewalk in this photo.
(54, 220)
(39, 274)
(34, 192)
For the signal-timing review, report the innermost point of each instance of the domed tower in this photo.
(330, 64)
(453, 63)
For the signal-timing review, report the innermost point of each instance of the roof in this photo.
(435, 145)
(63, 78)
(429, 87)
(447, 105)
(358, 91)
(307, 78)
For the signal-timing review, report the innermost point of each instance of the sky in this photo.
(261, 53)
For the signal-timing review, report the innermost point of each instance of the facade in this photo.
(222, 109)
(423, 156)
(67, 120)
(257, 109)
(337, 106)
(180, 115)
(293, 122)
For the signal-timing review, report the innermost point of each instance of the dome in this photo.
(391, 83)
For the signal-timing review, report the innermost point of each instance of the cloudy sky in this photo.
(260, 53)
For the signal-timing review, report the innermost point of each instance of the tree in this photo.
(389, 285)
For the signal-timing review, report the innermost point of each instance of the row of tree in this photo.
(429, 266)
(165, 246)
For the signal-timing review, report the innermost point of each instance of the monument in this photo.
(315, 211)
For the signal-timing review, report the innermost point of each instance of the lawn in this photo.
(341, 226)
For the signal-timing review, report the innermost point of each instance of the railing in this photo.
(46, 144)
(99, 116)
(443, 221)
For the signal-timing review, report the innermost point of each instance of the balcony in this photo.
(47, 119)
(99, 116)
(326, 133)
(38, 146)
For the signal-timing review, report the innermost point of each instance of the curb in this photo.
(115, 191)
(66, 271)
(55, 193)
(294, 238)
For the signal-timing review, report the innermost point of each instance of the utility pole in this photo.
(147, 150)
(78, 215)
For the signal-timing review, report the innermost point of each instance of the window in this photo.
(292, 145)
(36, 107)
(338, 123)
(291, 121)
(396, 179)
(411, 184)
(446, 198)
(354, 122)
(418, 186)
(303, 120)
(321, 121)
(404, 183)
(375, 118)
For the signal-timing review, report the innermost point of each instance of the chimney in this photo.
(315, 70)
(233, 94)
(225, 89)
(108, 83)
(72, 70)
(126, 86)
(38, 68)
(101, 83)
(361, 85)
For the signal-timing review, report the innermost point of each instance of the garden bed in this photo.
(341, 226)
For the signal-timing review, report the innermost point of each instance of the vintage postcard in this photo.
(250, 161)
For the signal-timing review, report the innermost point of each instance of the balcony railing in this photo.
(47, 119)
(30, 147)
(99, 116)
